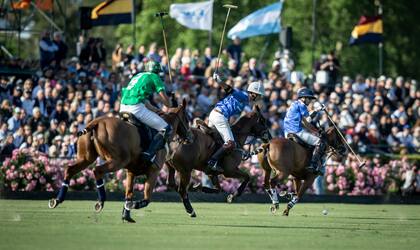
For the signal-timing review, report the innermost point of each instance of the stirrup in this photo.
(150, 160)
(214, 167)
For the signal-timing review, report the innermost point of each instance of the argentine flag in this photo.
(193, 15)
(261, 22)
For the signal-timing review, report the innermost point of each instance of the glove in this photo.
(319, 107)
(217, 78)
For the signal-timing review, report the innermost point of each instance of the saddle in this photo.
(146, 133)
(212, 132)
(295, 138)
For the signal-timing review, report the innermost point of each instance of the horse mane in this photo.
(242, 119)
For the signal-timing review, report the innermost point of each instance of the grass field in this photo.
(74, 225)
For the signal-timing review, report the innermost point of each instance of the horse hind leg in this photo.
(182, 190)
(237, 174)
(129, 204)
(300, 192)
(69, 172)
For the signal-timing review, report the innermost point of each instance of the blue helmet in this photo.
(305, 92)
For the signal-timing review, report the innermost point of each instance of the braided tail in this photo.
(91, 126)
(263, 148)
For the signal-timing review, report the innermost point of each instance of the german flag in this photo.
(368, 30)
(112, 12)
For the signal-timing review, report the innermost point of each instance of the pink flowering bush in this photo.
(33, 171)
(30, 171)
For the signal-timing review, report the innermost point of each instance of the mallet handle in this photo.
(221, 42)
(344, 139)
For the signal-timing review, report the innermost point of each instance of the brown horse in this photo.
(287, 157)
(194, 155)
(118, 143)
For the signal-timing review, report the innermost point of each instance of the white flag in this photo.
(193, 15)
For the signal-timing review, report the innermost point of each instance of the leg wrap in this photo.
(100, 186)
(272, 192)
(293, 202)
(141, 204)
(187, 205)
(63, 191)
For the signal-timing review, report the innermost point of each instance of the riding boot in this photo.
(213, 162)
(317, 156)
(157, 143)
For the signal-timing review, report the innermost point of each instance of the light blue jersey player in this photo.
(233, 104)
(296, 122)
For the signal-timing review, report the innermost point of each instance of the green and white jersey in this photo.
(140, 87)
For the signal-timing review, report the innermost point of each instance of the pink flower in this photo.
(42, 180)
(14, 185)
(72, 183)
(330, 179)
(29, 176)
(119, 174)
(81, 180)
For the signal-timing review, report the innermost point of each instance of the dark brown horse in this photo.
(194, 155)
(118, 143)
(286, 157)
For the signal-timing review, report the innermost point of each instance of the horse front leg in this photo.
(129, 193)
(170, 181)
(182, 190)
(302, 189)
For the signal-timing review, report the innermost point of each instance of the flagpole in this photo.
(133, 20)
(380, 45)
(313, 32)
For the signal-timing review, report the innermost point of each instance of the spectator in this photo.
(47, 50)
(41, 145)
(14, 122)
(61, 52)
(7, 148)
(235, 52)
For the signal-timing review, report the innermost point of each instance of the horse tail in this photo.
(89, 128)
(261, 149)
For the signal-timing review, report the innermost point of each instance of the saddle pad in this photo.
(146, 133)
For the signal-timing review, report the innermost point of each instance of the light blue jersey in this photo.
(294, 115)
(233, 104)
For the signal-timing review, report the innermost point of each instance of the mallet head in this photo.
(230, 6)
(362, 165)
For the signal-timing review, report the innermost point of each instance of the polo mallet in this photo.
(229, 7)
(361, 164)
(160, 15)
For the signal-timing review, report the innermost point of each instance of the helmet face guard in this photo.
(257, 88)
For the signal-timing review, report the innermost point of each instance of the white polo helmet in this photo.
(256, 87)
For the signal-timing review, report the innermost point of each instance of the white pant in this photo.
(146, 116)
(307, 137)
(222, 125)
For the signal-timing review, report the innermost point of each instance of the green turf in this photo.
(74, 225)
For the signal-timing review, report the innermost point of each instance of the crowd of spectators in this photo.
(45, 111)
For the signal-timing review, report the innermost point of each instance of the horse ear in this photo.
(184, 102)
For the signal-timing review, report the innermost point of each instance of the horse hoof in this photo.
(128, 219)
(282, 193)
(99, 206)
(193, 214)
(285, 213)
(53, 203)
(273, 208)
(229, 198)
